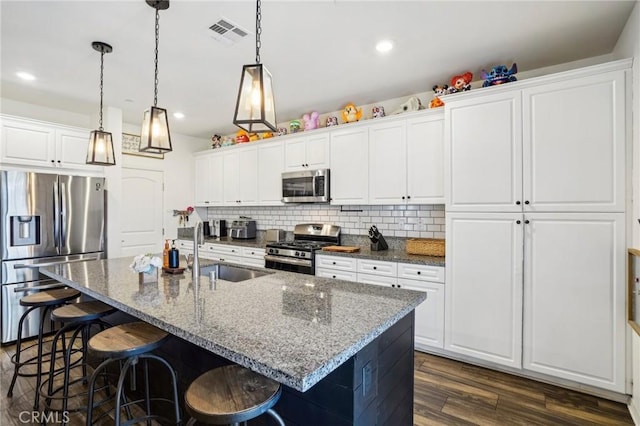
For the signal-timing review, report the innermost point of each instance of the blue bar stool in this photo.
(128, 344)
(230, 395)
(43, 301)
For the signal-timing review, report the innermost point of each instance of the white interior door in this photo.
(141, 211)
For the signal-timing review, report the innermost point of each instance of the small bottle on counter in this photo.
(174, 256)
(165, 254)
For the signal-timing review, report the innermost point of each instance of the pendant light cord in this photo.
(155, 83)
(101, 85)
(258, 31)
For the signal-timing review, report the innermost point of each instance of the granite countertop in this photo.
(293, 328)
(390, 255)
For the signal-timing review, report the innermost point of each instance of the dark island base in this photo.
(374, 387)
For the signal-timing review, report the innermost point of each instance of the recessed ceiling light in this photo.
(178, 115)
(26, 76)
(384, 46)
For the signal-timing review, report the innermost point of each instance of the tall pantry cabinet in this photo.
(535, 200)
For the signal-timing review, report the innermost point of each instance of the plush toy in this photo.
(242, 136)
(267, 135)
(350, 113)
(282, 131)
(253, 137)
(228, 141)
(412, 104)
(295, 126)
(377, 112)
(438, 91)
(311, 121)
(331, 121)
(499, 75)
(461, 83)
(216, 141)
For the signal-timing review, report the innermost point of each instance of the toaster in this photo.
(275, 235)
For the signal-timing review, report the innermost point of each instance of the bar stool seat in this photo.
(43, 300)
(231, 394)
(78, 319)
(128, 344)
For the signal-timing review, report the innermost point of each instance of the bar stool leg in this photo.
(123, 375)
(92, 382)
(174, 383)
(16, 368)
(276, 416)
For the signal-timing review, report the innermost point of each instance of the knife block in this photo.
(379, 245)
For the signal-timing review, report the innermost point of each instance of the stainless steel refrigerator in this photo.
(45, 218)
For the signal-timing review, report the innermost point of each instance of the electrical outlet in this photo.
(402, 220)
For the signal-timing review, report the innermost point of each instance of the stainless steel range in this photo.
(299, 255)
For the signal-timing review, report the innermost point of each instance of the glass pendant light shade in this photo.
(255, 107)
(155, 136)
(100, 149)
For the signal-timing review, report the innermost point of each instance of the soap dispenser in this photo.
(174, 256)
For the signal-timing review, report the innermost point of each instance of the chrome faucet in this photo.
(198, 238)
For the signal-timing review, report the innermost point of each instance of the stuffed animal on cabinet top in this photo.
(438, 91)
(311, 121)
(499, 74)
(461, 83)
(351, 113)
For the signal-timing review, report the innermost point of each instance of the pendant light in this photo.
(255, 107)
(155, 136)
(100, 150)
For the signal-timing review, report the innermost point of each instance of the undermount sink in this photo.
(232, 273)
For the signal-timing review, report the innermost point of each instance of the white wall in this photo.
(629, 46)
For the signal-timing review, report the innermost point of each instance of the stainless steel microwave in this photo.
(306, 186)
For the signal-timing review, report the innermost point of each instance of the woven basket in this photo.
(425, 246)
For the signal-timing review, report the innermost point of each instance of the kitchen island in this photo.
(343, 350)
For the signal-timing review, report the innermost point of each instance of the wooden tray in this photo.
(173, 270)
(342, 249)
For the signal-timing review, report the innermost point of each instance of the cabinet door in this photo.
(349, 167)
(231, 177)
(574, 293)
(382, 280)
(248, 176)
(483, 159)
(483, 293)
(388, 163)
(429, 323)
(202, 180)
(29, 144)
(71, 149)
(574, 145)
(295, 154)
(270, 168)
(317, 151)
(425, 160)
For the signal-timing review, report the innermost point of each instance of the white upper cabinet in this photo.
(425, 159)
(307, 152)
(270, 168)
(350, 166)
(574, 144)
(483, 161)
(209, 179)
(388, 163)
(558, 145)
(39, 144)
(240, 176)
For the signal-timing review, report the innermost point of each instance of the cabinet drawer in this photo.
(377, 267)
(336, 262)
(253, 261)
(223, 249)
(377, 279)
(184, 245)
(336, 274)
(414, 271)
(253, 253)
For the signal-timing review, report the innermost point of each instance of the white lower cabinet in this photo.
(248, 256)
(429, 315)
(544, 292)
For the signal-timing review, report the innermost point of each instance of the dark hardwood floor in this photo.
(447, 392)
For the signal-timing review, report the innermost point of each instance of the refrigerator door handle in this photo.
(45, 264)
(63, 214)
(56, 217)
(51, 286)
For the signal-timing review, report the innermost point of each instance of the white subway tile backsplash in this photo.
(413, 221)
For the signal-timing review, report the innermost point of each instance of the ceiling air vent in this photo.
(226, 31)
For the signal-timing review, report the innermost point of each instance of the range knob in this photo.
(297, 254)
(302, 254)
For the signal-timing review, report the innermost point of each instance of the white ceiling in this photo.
(321, 53)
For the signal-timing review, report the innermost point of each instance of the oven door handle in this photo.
(288, 260)
(44, 264)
